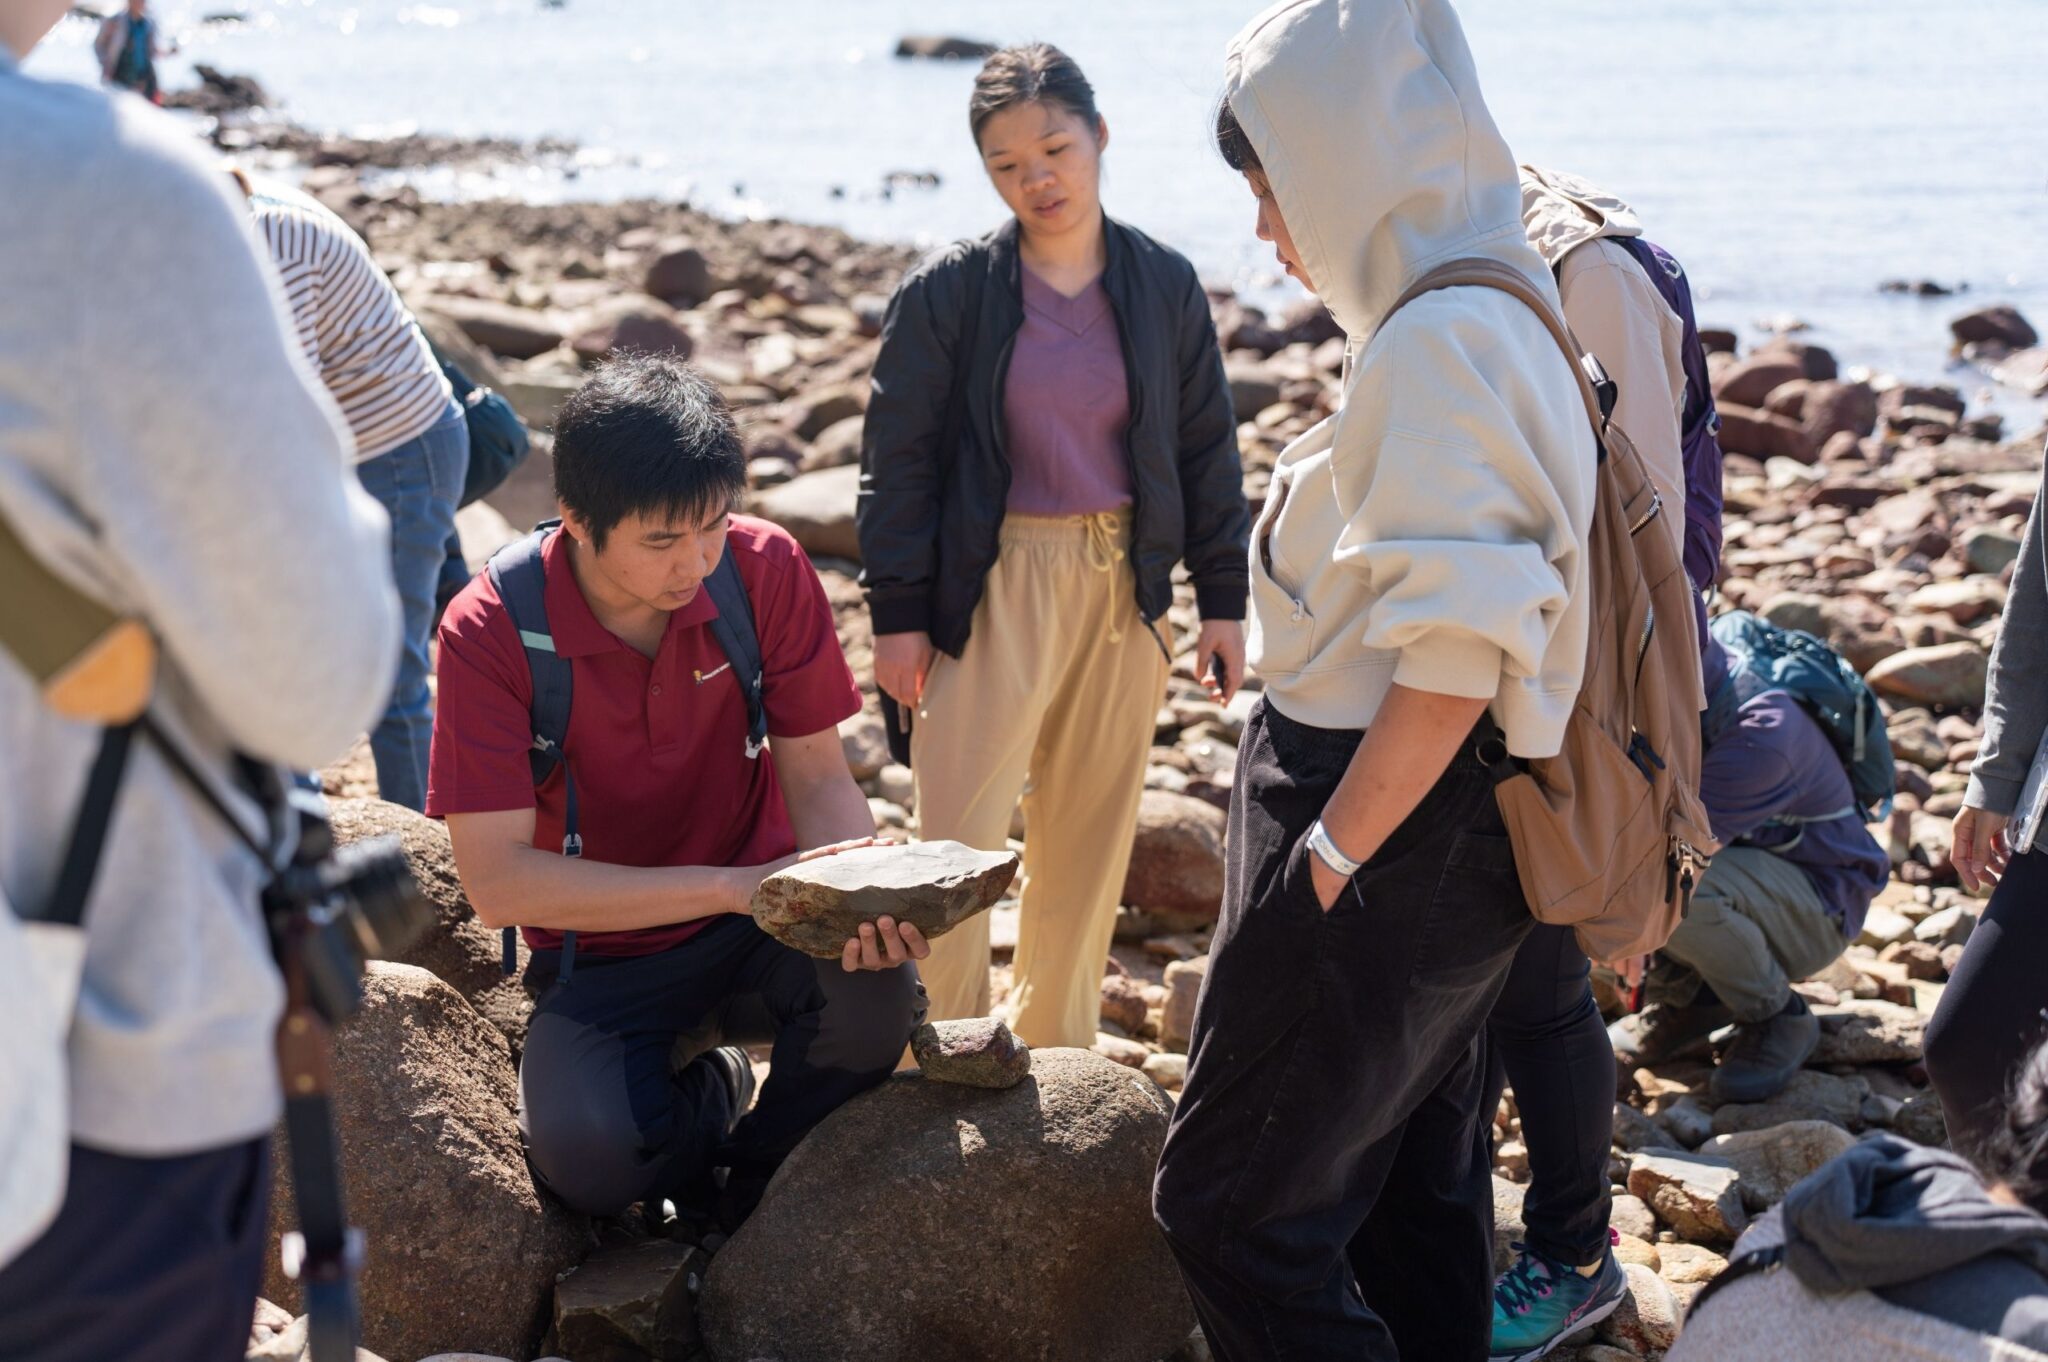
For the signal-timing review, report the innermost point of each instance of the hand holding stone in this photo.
(822, 906)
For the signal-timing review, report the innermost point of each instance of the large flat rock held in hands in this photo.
(935, 886)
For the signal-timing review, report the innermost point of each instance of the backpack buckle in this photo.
(754, 746)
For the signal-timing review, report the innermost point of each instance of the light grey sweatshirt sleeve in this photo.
(2016, 698)
(241, 531)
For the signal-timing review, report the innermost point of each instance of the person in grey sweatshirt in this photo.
(1894, 1251)
(165, 450)
(1992, 1009)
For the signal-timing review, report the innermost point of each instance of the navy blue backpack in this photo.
(1767, 657)
(516, 574)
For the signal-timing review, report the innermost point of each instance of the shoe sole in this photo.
(1579, 1325)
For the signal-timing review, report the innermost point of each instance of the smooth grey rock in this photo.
(1770, 1161)
(816, 905)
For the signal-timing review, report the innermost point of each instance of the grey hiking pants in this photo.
(1756, 925)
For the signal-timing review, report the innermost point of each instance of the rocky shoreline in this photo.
(1880, 513)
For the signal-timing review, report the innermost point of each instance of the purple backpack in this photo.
(1700, 424)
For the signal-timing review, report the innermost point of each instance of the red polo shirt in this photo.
(658, 746)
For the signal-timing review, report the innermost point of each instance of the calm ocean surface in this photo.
(1792, 155)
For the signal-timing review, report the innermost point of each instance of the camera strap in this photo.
(324, 1254)
(89, 828)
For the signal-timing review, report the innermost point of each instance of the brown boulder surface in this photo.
(460, 950)
(923, 1220)
(816, 905)
(975, 1052)
(463, 1249)
(1177, 856)
(817, 510)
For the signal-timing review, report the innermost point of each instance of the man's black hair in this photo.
(647, 435)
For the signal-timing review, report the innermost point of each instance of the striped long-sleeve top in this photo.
(356, 331)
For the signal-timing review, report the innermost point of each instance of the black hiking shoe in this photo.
(738, 1071)
(1763, 1056)
(1663, 1031)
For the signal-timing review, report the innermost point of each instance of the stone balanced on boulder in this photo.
(975, 1052)
(936, 886)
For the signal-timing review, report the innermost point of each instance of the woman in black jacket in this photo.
(1049, 433)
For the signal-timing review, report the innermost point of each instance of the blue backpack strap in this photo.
(741, 643)
(520, 580)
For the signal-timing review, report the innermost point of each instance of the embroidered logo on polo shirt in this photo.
(702, 677)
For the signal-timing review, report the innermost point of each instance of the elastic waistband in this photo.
(1064, 529)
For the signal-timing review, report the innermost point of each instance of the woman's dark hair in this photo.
(1236, 148)
(1025, 74)
(2018, 1152)
(646, 435)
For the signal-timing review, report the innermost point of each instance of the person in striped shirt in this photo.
(412, 441)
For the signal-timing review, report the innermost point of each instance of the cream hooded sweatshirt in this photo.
(1617, 314)
(1431, 532)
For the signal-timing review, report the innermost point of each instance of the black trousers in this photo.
(148, 1258)
(1548, 1041)
(1990, 1015)
(618, 1107)
(1325, 1183)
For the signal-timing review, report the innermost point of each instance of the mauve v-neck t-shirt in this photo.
(1066, 405)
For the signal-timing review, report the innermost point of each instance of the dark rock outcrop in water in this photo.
(219, 93)
(929, 48)
(925, 1220)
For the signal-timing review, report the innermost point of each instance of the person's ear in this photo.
(573, 524)
(1101, 134)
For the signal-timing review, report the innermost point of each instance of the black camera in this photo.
(331, 909)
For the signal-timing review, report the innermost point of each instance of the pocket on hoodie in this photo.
(1283, 630)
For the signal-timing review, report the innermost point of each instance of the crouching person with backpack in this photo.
(638, 722)
(1420, 613)
(1799, 867)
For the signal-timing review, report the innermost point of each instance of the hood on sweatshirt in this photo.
(1383, 158)
(1561, 212)
(1889, 1211)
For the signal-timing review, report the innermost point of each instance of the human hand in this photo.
(1220, 640)
(883, 944)
(902, 662)
(1980, 850)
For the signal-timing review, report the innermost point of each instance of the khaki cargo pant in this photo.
(1055, 699)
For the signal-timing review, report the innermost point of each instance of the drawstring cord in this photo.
(1105, 551)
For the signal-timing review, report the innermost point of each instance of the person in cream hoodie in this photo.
(1418, 598)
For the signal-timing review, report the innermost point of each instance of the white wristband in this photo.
(1326, 851)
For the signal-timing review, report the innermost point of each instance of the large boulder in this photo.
(817, 905)
(1177, 856)
(458, 949)
(503, 329)
(1946, 676)
(1770, 1161)
(463, 1249)
(1750, 382)
(817, 510)
(678, 272)
(1867, 1031)
(926, 1220)
(627, 324)
(2000, 324)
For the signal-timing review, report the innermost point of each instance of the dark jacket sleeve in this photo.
(2016, 700)
(1212, 480)
(902, 468)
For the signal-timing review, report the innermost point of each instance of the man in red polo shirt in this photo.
(679, 824)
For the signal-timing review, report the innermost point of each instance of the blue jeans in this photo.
(418, 483)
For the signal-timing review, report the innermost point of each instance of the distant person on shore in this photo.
(1894, 1252)
(676, 784)
(127, 49)
(1050, 434)
(1992, 1009)
(1629, 304)
(1783, 898)
(1420, 599)
(162, 446)
(411, 438)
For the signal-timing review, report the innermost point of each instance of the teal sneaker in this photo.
(1538, 1304)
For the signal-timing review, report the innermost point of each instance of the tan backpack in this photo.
(1609, 832)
